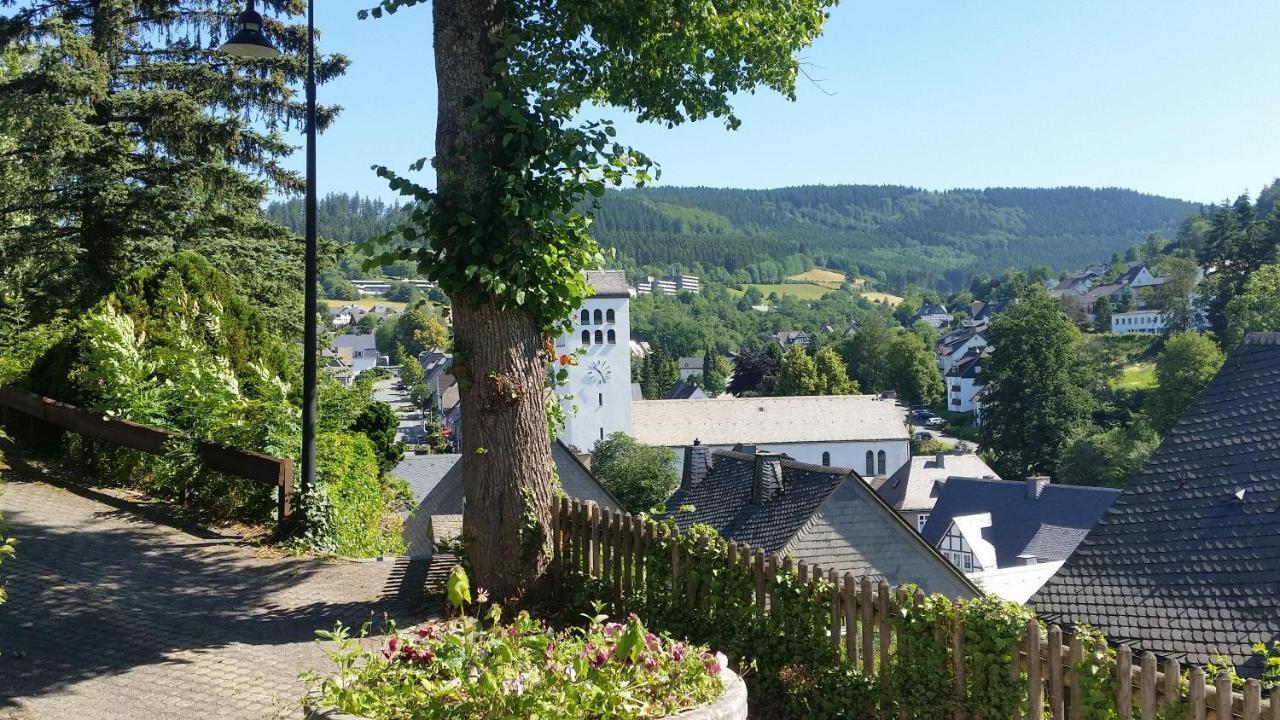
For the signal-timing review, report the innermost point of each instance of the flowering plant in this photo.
(469, 668)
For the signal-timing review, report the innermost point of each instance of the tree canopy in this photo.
(640, 476)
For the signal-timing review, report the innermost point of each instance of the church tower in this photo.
(601, 381)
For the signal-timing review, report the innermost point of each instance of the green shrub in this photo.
(379, 423)
(640, 476)
(347, 510)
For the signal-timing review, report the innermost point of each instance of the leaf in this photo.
(631, 641)
(458, 587)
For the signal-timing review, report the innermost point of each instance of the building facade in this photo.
(1144, 322)
(599, 384)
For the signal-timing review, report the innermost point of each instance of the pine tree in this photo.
(1102, 315)
(715, 371)
(132, 137)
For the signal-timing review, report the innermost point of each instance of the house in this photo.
(684, 391)
(954, 345)
(961, 380)
(667, 285)
(435, 366)
(984, 524)
(600, 382)
(690, 366)
(1187, 562)
(1137, 275)
(358, 352)
(1115, 292)
(983, 312)
(787, 338)
(860, 431)
(913, 489)
(1147, 322)
(934, 314)
(639, 349)
(826, 516)
(436, 484)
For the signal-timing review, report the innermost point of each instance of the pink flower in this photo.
(649, 662)
(420, 656)
(427, 631)
(677, 652)
(652, 642)
(550, 651)
(513, 632)
(715, 663)
(391, 647)
(611, 629)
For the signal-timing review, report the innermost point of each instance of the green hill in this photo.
(909, 235)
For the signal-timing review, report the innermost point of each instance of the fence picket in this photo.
(1054, 656)
(1147, 691)
(1124, 683)
(1172, 685)
(1275, 703)
(885, 632)
(1035, 683)
(1252, 699)
(957, 660)
(1223, 690)
(616, 553)
(1077, 692)
(850, 620)
(760, 580)
(836, 614)
(1197, 693)
(868, 626)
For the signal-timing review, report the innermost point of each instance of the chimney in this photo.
(940, 460)
(766, 481)
(697, 464)
(1036, 485)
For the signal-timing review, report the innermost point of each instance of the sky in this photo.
(1177, 97)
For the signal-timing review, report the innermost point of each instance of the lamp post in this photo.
(250, 41)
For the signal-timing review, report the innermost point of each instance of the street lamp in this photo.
(249, 41)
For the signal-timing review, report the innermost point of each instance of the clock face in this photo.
(599, 372)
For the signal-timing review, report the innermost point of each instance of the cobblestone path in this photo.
(112, 615)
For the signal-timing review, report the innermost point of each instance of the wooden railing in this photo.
(156, 441)
(614, 546)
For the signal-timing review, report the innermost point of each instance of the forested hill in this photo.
(909, 235)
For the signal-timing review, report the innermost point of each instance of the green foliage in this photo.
(346, 510)
(1239, 242)
(462, 669)
(1096, 673)
(379, 423)
(1175, 296)
(1186, 366)
(831, 375)
(658, 372)
(8, 545)
(912, 370)
(929, 447)
(1270, 655)
(1256, 308)
(640, 476)
(458, 589)
(1037, 397)
(992, 628)
(921, 676)
(798, 374)
(1107, 458)
(715, 372)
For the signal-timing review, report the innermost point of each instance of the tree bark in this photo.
(499, 363)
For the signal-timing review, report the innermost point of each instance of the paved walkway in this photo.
(111, 615)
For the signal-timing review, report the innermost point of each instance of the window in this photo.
(609, 316)
(921, 520)
(599, 338)
(599, 318)
(955, 401)
(955, 388)
(613, 336)
(586, 336)
(826, 458)
(871, 463)
(601, 399)
(601, 433)
(968, 562)
(880, 458)
(585, 317)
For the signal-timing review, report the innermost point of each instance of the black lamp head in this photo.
(249, 40)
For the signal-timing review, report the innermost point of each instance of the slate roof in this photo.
(727, 421)
(825, 515)
(1016, 519)
(608, 283)
(355, 342)
(1111, 290)
(916, 485)
(1181, 566)
(969, 366)
(931, 309)
(683, 391)
(723, 500)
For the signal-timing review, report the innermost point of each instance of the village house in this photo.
(690, 366)
(913, 490)
(1145, 322)
(935, 315)
(357, 352)
(787, 338)
(961, 380)
(954, 345)
(826, 516)
(1186, 564)
(681, 391)
(864, 432)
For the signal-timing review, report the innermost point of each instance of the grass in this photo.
(365, 302)
(874, 296)
(803, 291)
(1135, 376)
(825, 278)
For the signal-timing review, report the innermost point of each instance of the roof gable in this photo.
(1183, 565)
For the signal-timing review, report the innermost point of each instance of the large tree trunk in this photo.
(506, 467)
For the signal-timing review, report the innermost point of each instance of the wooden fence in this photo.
(145, 438)
(613, 546)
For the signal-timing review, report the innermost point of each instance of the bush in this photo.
(379, 423)
(347, 510)
(640, 476)
(462, 669)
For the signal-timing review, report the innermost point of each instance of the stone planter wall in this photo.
(732, 705)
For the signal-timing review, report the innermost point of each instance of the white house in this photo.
(690, 366)
(962, 380)
(358, 352)
(955, 345)
(934, 314)
(600, 382)
(861, 432)
(1149, 322)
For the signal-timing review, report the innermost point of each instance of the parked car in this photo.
(921, 415)
(935, 422)
(924, 435)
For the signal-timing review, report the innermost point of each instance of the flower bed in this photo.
(463, 668)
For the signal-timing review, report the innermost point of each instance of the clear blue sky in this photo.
(1177, 97)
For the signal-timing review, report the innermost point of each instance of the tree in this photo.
(754, 373)
(1173, 298)
(1102, 315)
(1037, 400)
(798, 374)
(659, 372)
(1256, 308)
(1188, 363)
(411, 373)
(379, 423)
(1109, 458)
(865, 354)
(912, 371)
(640, 476)
(131, 137)
(502, 232)
(715, 372)
(832, 376)
(1237, 244)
